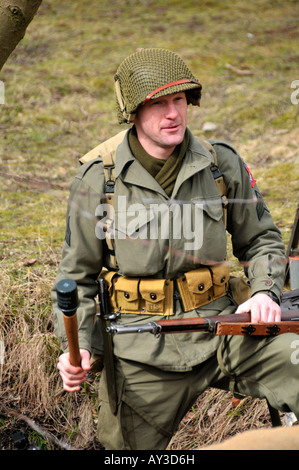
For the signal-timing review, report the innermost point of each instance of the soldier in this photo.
(165, 256)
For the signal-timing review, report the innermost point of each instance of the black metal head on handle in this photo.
(67, 296)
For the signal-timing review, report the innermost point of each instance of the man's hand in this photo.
(73, 376)
(262, 308)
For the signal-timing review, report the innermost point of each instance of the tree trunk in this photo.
(15, 16)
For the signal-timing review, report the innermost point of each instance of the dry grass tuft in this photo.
(216, 416)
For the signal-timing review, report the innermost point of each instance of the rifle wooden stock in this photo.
(258, 329)
(234, 324)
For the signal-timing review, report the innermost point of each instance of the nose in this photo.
(171, 111)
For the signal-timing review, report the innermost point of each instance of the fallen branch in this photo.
(238, 71)
(37, 428)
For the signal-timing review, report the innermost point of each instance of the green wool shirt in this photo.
(164, 171)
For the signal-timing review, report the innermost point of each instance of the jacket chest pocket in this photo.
(137, 241)
(212, 230)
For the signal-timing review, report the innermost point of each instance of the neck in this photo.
(162, 153)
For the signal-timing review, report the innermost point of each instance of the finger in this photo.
(71, 389)
(244, 307)
(255, 312)
(71, 383)
(85, 360)
(278, 316)
(68, 370)
(277, 313)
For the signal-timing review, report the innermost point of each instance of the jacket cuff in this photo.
(271, 294)
(265, 285)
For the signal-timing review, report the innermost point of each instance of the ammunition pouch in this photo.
(240, 289)
(150, 296)
(201, 286)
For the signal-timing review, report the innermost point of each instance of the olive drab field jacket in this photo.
(164, 237)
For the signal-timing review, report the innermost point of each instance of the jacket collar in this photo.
(131, 171)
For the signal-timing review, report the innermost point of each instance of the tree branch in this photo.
(15, 16)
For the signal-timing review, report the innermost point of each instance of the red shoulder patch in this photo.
(252, 180)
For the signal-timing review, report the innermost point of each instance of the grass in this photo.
(59, 103)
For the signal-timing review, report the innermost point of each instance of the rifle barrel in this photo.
(151, 327)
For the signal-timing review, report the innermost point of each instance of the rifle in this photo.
(233, 324)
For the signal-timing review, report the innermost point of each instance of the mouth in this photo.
(172, 128)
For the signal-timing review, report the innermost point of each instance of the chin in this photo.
(175, 140)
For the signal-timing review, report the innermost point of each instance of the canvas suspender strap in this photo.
(218, 178)
(108, 162)
(107, 151)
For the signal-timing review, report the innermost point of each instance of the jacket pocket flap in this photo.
(128, 287)
(212, 207)
(134, 221)
(220, 274)
(152, 290)
(199, 281)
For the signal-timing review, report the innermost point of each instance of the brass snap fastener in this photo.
(201, 287)
(153, 296)
(127, 295)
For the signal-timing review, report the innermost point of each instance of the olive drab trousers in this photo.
(152, 402)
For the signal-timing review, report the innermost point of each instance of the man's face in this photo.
(161, 124)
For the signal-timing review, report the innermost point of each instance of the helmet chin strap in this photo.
(128, 117)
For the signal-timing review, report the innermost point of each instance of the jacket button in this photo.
(153, 296)
(127, 295)
(201, 287)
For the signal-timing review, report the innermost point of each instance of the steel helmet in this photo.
(149, 74)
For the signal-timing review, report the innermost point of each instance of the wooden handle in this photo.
(67, 302)
(71, 328)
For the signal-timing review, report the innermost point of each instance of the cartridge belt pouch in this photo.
(156, 296)
(201, 286)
